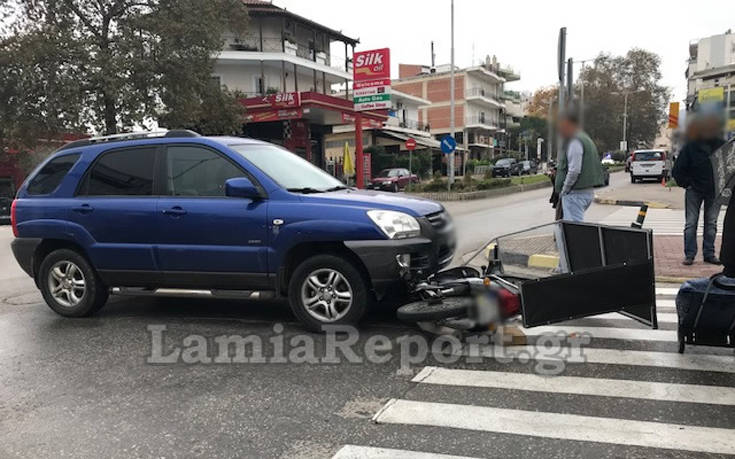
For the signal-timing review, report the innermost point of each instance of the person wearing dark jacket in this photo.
(727, 252)
(693, 171)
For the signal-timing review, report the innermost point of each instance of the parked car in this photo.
(7, 192)
(647, 164)
(227, 215)
(393, 180)
(529, 167)
(506, 167)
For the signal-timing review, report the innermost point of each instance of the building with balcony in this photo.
(283, 52)
(285, 67)
(402, 123)
(480, 108)
(710, 74)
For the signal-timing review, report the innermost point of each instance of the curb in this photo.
(626, 203)
(672, 279)
(483, 194)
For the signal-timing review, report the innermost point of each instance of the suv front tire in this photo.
(69, 284)
(327, 290)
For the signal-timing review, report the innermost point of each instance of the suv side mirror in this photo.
(241, 187)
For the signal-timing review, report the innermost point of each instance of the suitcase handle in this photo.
(716, 278)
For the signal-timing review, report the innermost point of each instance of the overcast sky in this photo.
(523, 33)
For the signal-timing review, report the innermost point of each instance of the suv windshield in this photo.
(648, 156)
(504, 162)
(287, 169)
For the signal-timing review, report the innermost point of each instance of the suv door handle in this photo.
(175, 211)
(83, 209)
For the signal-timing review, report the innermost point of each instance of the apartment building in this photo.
(285, 67)
(711, 74)
(480, 107)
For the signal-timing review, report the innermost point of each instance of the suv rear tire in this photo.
(69, 284)
(327, 290)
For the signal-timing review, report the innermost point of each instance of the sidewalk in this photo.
(652, 193)
(669, 253)
(668, 241)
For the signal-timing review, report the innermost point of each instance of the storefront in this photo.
(300, 121)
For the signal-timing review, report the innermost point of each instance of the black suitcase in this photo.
(706, 310)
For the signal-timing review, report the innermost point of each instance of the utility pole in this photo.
(450, 179)
(561, 58)
(625, 120)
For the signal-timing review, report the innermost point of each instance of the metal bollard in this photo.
(638, 223)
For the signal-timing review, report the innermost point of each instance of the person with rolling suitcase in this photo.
(706, 307)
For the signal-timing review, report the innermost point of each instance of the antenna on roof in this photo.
(433, 59)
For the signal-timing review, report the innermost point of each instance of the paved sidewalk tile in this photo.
(669, 253)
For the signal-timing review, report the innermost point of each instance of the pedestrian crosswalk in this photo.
(689, 398)
(662, 221)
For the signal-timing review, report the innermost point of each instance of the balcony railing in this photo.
(481, 92)
(483, 120)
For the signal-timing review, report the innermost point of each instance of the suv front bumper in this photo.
(430, 252)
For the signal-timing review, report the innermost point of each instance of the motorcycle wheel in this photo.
(423, 311)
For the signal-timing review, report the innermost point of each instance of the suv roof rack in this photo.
(129, 136)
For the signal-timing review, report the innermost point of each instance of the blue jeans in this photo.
(575, 204)
(694, 201)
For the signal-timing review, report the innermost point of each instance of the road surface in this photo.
(100, 387)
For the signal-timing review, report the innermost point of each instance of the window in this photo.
(285, 168)
(50, 176)
(127, 172)
(197, 171)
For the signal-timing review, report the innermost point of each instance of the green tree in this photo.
(605, 83)
(111, 64)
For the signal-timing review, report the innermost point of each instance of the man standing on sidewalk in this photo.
(579, 169)
(693, 171)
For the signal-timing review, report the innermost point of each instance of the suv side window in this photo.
(127, 172)
(50, 176)
(193, 170)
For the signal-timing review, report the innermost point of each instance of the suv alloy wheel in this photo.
(327, 290)
(70, 285)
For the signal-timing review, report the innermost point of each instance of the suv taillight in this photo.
(14, 218)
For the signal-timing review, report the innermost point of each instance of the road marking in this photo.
(663, 318)
(691, 393)
(665, 303)
(561, 426)
(694, 362)
(369, 452)
(620, 334)
(666, 291)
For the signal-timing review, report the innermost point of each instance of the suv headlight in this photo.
(395, 225)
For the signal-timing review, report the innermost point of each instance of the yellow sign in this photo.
(730, 125)
(674, 115)
(711, 95)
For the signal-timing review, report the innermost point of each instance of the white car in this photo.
(649, 164)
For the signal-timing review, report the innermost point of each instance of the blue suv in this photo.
(230, 216)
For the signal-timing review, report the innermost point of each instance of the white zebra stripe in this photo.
(668, 291)
(690, 393)
(560, 426)
(369, 452)
(693, 362)
(663, 317)
(625, 334)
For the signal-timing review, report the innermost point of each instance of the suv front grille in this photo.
(439, 220)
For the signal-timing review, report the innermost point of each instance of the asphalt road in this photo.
(479, 221)
(87, 388)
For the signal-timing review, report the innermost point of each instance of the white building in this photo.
(711, 73)
(283, 52)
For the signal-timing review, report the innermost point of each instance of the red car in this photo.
(393, 180)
